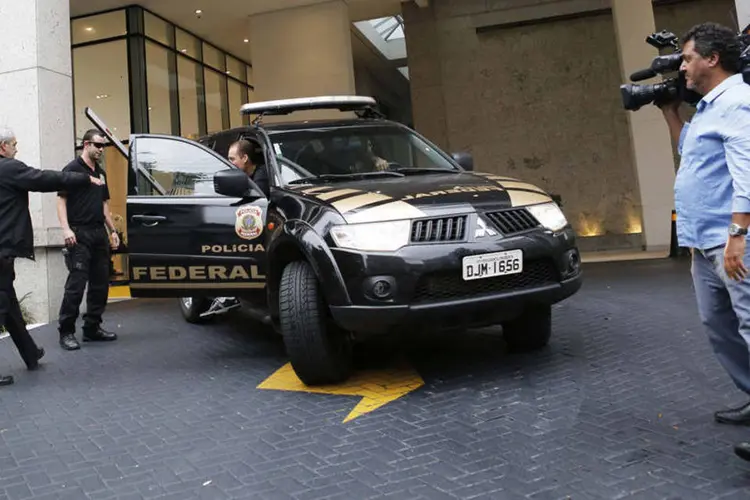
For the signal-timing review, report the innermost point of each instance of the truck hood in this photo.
(424, 195)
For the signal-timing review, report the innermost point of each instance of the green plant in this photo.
(27, 316)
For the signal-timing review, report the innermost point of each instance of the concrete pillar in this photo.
(651, 147)
(303, 52)
(743, 12)
(36, 85)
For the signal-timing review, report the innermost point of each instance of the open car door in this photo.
(183, 237)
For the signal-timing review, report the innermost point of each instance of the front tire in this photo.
(320, 352)
(192, 308)
(531, 331)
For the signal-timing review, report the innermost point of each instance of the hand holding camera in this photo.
(670, 92)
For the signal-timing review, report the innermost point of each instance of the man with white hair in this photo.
(17, 237)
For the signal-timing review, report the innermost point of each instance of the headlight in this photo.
(374, 237)
(549, 215)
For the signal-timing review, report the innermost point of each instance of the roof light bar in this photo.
(286, 106)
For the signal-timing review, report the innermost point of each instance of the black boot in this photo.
(736, 416)
(742, 450)
(34, 364)
(69, 342)
(99, 335)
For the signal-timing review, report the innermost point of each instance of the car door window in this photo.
(179, 166)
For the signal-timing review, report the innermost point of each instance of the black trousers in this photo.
(88, 262)
(10, 312)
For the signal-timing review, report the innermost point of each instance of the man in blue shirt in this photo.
(712, 196)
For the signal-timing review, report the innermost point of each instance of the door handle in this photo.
(148, 220)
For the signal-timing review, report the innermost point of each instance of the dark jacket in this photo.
(16, 181)
(260, 177)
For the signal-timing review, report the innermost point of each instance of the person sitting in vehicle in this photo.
(365, 159)
(244, 155)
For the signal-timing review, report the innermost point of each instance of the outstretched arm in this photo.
(28, 178)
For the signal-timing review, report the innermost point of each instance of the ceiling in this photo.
(225, 23)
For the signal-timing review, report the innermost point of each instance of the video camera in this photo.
(635, 96)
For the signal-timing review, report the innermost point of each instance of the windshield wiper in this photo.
(343, 177)
(417, 170)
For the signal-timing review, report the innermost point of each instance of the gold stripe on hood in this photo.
(508, 184)
(337, 193)
(390, 211)
(355, 202)
(522, 198)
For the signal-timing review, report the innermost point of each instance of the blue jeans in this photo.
(724, 308)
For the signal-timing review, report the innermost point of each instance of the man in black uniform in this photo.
(89, 233)
(17, 237)
(244, 156)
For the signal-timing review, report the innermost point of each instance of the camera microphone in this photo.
(643, 74)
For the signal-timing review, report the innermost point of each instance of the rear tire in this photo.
(192, 308)
(531, 331)
(320, 352)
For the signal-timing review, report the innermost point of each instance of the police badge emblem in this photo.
(249, 222)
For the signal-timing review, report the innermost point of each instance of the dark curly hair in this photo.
(710, 38)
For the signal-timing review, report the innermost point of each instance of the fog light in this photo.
(380, 287)
(574, 262)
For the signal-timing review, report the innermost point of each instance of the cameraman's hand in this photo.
(734, 251)
(671, 112)
(670, 107)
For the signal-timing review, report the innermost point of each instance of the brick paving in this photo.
(618, 406)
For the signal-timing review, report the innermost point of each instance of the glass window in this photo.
(213, 57)
(215, 100)
(157, 77)
(236, 69)
(237, 97)
(188, 73)
(188, 44)
(98, 27)
(179, 167)
(157, 29)
(355, 150)
(101, 83)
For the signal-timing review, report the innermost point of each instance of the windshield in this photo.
(353, 151)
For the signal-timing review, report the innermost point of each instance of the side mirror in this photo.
(465, 160)
(235, 183)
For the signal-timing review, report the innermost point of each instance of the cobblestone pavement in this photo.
(618, 406)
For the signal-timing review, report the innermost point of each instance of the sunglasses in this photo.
(98, 145)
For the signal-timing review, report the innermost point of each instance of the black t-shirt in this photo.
(86, 204)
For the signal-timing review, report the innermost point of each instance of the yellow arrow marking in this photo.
(376, 387)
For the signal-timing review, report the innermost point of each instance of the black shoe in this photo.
(99, 336)
(6, 380)
(69, 342)
(736, 416)
(742, 450)
(39, 355)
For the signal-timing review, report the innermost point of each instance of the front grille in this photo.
(450, 285)
(513, 221)
(439, 230)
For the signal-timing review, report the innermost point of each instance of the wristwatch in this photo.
(737, 230)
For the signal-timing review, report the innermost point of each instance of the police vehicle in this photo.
(369, 230)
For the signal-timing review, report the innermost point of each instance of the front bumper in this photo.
(424, 286)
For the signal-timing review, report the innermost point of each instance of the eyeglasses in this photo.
(98, 145)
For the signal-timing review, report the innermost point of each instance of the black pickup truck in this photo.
(369, 229)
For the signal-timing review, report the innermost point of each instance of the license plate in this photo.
(490, 265)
